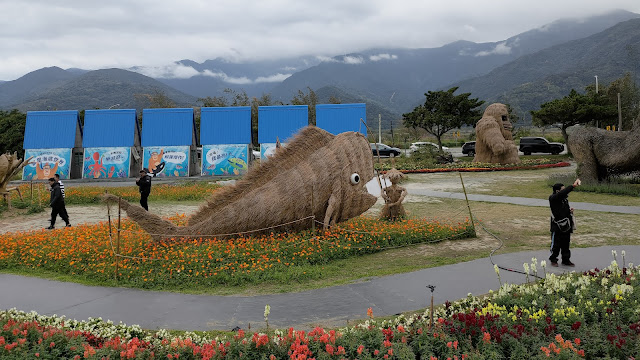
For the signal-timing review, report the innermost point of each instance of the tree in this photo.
(574, 109)
(12, 125)
(443, 111)
(629, 99)
(158, 99)
(310, 99)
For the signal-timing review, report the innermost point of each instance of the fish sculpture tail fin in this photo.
(157, 227)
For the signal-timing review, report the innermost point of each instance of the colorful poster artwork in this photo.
(46, 163)
(225, 159)
(166, 161)
(106, 163)
(267, 150)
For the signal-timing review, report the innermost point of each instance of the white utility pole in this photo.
(379, 128)
(596, 76)
(619, 114)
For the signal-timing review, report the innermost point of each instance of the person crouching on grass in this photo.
(144, 183)
(57, 204)
(562, 223)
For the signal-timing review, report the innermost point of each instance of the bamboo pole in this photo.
(313, 214)
(109, 217)
(473, 225)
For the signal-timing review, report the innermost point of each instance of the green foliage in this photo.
(628, 185)
(574, 109)
(157, 99)
(310, 99)
(442, 111)
(12, 125)
(629, 100)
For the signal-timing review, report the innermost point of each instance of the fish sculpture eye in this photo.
(355, 178)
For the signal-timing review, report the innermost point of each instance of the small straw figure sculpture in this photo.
(393, 196)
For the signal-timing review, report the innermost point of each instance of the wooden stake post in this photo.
(473, 225)
(118, 238)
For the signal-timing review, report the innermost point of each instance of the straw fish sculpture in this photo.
(317, 174)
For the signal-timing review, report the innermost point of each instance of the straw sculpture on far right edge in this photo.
(393, 196)
(494, 141)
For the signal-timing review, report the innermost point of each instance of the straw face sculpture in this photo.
(317, 174)
(494, 142)
(601, 153)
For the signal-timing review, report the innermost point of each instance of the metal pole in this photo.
(118, 239)
(619, 114)
(379, 128)
(467, 200)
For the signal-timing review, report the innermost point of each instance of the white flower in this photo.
(496, 269)
(267, 311)
(623, 253)
(543, 263)
(526, 267)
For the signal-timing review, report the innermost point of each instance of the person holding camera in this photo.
(144, 183)
(562, 223)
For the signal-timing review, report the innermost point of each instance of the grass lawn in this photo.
(521, 228)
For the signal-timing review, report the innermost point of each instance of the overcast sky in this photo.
(123, 33)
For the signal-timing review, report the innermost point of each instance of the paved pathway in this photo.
(527, 201)
(331, 306)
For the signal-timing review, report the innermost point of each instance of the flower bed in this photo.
(593, 315)
(527, 164)
(202, 263)
(192, 190)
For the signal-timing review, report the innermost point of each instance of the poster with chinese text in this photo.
(106, 163)
(166, 161)
(46, 163)
(225, 159)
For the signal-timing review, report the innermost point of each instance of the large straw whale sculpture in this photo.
(316, 176)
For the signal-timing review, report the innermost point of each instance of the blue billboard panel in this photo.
(106, 163)
(166, 161)
(46, 163)
(225, 159)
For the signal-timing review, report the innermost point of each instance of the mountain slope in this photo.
(102, 89)
(551, 73)
(398, 78)
(32, 84)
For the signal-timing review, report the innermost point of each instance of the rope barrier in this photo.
(222, 235)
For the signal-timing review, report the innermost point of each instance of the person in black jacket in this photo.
(562, 223)
(144, 183)
(57, 204)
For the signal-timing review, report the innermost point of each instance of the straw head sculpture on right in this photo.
(316, 177)
(494, 142)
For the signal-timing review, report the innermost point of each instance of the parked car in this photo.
(417, 145)
(469, 148)
(529, 145)
(385, 150)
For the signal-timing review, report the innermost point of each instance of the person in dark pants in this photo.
(144, 183)
(562, 223)
(63, 211)
(57, 204)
